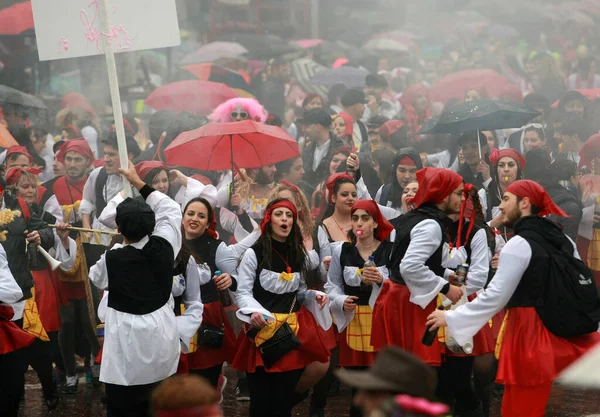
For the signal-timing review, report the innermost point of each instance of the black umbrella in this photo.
(480, 115)
(11, 97)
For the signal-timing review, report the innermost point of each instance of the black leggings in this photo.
(129, 401)
(454, 383)
(318, 399)
(485, 373)
(272, 393)
(12, 380)
(210, 374)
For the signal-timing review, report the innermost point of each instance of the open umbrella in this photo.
(457, 84)
(198, 97)
(213, 51)
(16, 19)
(303, 70)
(480, 115)
(219, 74)
(12, 97)
(307, 43)
(221, 146)
(385, 44)
(349, 76)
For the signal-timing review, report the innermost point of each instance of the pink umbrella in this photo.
(457, 84)
(198, 97)
(308, 43)
(16, 19)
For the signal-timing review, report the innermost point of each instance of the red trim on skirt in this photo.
(12, 337)
(531, 355)
(352, 357)
(207, 358)
(312, 349)
(398, 322)
(46, 298)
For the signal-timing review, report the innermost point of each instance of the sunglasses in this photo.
(242, 114)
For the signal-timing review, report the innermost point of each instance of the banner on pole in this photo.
(71, 28)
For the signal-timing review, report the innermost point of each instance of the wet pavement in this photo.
(86, 403)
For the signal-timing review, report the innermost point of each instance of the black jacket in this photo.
(568, 201)
(15, 244)
(322, 172)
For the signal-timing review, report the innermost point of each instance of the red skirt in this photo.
(312, 349)
(46, 299)
(531, 355)
(497, 320)
(398, 322)
(12, 337)
(205, 357)
(484, 341)
(329, 337)
(353, 357)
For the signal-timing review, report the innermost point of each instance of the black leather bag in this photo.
(210, 337)
(280, 344)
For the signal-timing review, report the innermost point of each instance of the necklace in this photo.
(288, 268)
(370, 246)
(338, 225)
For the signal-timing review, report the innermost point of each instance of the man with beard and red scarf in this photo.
(418, 272)
(530, 355)
(73, 287)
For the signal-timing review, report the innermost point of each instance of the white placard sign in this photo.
(72, 28)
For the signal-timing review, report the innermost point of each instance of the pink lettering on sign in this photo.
(93, 34)
(63, 45)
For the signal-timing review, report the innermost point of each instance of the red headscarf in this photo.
(13, 174)
(283, 203)
(332, 180)
(384, 227)
(144, 168)
(71, 100)
(590, 151)
(389, 128)
(466, 209)
(497, 155)
(435, 184)
(78, 145)
(537, 195)
(19, 150)
(349, 123)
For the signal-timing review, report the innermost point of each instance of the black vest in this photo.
(405, 225)
(350, 256)
(275, 303)
(205, 249)
(140, 280)
(101, 180)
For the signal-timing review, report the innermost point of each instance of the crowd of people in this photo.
(340, 264)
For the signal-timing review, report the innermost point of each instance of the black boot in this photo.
(478, 412)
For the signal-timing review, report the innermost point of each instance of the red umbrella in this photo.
(221, 146)
(16, 19)
(457, 84)
(198, 97)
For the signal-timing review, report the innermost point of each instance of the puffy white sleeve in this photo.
(109, 214)
(335, 291)
(228, 257)
(10, 292)
(191, 319)
(483, 199)
(88, 201)
(468, 319)
(195, 189)
(98, 272)
(362, 192)
(168, 219)
(308, 298)
(230, 222)
(54, 208)
(480, 262)
(244, 295)
(66, 256)
(423, 283)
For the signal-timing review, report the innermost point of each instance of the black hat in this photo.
(135, 219)
(376, 81)
(394, 370)
(317, 116)
(352, 97)
(471, 137)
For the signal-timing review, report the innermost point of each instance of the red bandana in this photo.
(435, 184)
(333, 179)
(497, 155)
(144, 168)
(384, 227)
(283, 203)
(537, 195)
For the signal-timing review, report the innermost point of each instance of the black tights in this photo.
(272, 393)
(321, 390)
(211, 374)
(454, 383)
(484, 371)
(12, 380)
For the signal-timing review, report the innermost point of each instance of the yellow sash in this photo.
(358, 333)
(68, 209)
(32, 323)
(501, 335)
(269, 330)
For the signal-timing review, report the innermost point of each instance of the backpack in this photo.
(569, 305)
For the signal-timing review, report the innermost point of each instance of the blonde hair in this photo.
(301, 202)
(14, 187)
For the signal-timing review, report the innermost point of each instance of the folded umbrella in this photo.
(213, 51)
(349, 76)
(480, 115)
(457, 84)
(303, 70)
(16, 19)
(198, 97)
(222, 146)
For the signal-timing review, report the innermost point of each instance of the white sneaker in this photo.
(71, 386)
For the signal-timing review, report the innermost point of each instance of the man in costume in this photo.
(530, 355)
(141, 341)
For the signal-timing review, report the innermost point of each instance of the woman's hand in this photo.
(495, 260)
(484, 170)
(350, 304)
(222, 281)
(437, 319)
(372, 276)
(176, 177)
(132, 176)
(327, 262)
(353, 162)
(258, 321)
(33, 237)
(322, 300)
(63, 233)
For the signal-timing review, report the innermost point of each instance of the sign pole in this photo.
(115, 95)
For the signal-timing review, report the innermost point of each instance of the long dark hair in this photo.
(186, 251)
(152, 174)
(297, 255)
(330, 208)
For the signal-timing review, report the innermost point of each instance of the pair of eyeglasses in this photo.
(242, 114)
